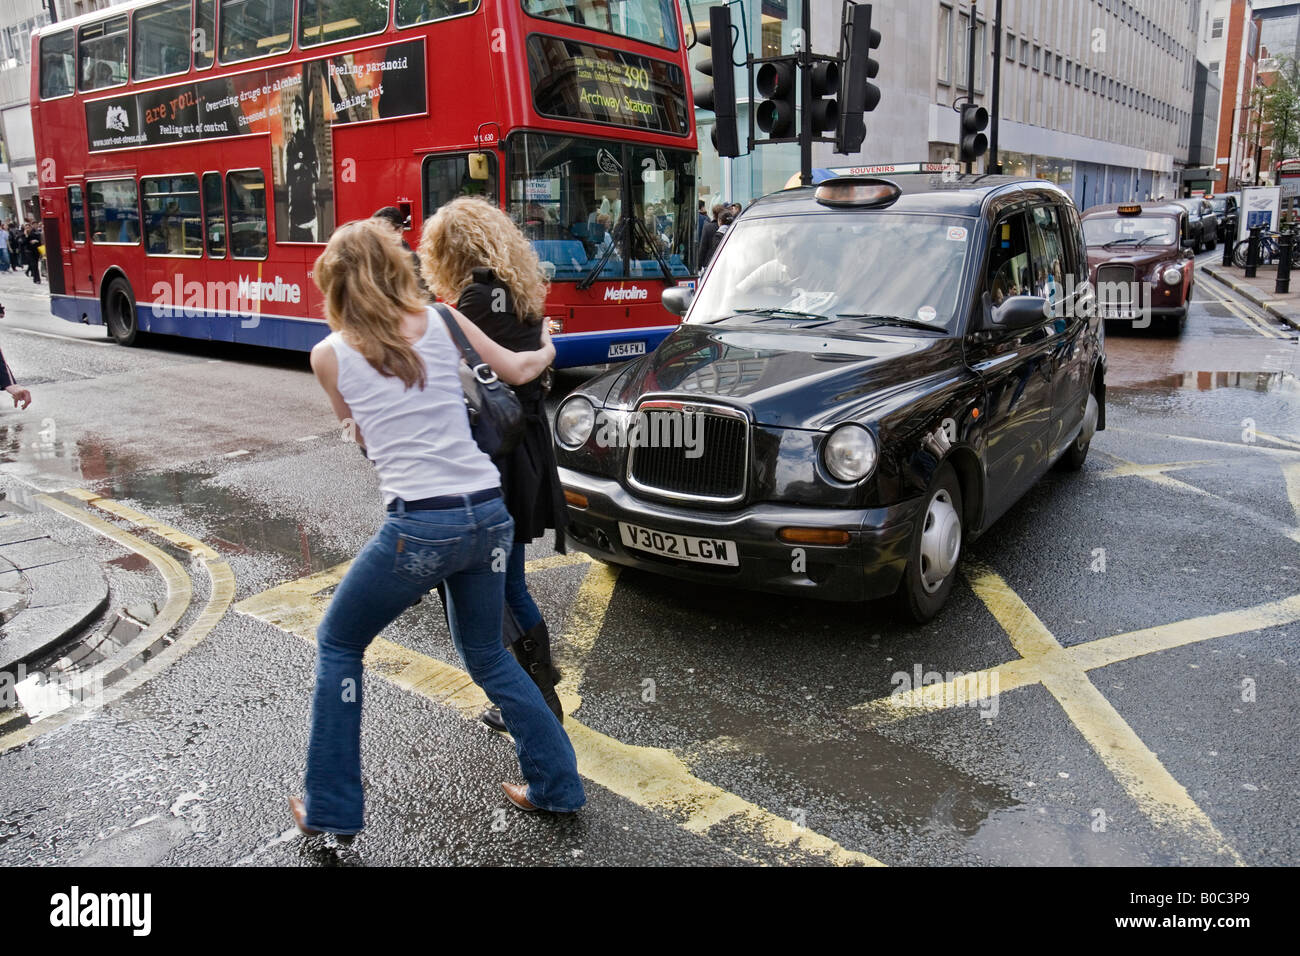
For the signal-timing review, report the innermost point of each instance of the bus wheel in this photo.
(119, 312)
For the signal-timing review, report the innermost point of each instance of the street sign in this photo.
(1260, 206)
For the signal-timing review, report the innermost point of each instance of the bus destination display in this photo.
(594, 84)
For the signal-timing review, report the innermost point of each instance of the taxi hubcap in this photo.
(940, 541)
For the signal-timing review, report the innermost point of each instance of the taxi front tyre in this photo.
(934, 551)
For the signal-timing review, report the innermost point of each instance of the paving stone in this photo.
(66, 582)
(13, 531)
(37, 630)
(31, 554)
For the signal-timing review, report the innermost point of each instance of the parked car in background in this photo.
(1140, 263)
(1226, 207)
(872, 372)
(1202, 223)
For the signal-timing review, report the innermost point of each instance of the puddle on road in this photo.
(1209, 381)
(36, 448)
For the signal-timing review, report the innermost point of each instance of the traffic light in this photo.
(776, 84)
(825, 88)
(974, 119)
(861, 96)
(719, 95)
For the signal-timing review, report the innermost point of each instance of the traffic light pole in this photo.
(970, 68)
(805, 95)
(992, 165)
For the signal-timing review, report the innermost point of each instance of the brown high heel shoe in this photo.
(517, 793)
(299, 817)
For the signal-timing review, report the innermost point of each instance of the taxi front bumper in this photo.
(869, 566)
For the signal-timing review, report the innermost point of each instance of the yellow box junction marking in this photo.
(650, 777)
(180, 593)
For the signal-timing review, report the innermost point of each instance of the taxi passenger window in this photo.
(1047, 250)
(1009, 264)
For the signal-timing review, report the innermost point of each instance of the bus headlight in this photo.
(1172, 276)
(850, 452)
(574, 422)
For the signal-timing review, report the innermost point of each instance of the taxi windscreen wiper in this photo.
(1120, 239)
(792, 312)
(891, 320)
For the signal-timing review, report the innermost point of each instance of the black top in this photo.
(529, 479)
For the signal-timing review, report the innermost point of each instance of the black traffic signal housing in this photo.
(777, 83)
(720, 94)
(973, 142)
(825, 88)
(860, 96)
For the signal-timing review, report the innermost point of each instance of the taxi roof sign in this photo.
(1130, 209)
(857, 192)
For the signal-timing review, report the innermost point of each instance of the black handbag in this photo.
(496, 419)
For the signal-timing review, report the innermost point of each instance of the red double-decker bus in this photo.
(196, 154)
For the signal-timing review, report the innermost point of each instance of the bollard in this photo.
(1283, 282)
(1252, 252)
(1229, 241)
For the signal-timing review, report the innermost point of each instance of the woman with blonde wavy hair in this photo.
(472, 254)
(390, 367)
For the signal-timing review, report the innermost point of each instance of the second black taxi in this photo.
(871, 373)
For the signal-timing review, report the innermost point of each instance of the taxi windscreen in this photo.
(1130, 230)
(847, 267)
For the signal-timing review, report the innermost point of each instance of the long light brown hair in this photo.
(369, 284)
(470, 233)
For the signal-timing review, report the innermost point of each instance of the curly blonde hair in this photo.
(469, 233)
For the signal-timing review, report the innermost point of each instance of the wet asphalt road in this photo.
(714, 727)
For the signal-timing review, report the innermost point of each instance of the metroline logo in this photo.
(181, 299)
(631, 293)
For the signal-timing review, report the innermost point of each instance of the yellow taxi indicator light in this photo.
(857, 192)
(829, 536)
(575, 499)
(1130, 209)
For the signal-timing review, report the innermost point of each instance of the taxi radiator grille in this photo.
(718, 473)
(1115, 285)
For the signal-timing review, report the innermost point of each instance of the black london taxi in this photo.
(873, 371)
(1142, 263)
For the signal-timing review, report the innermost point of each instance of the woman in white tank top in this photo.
(390, 367)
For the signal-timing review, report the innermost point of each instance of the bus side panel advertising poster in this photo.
(1260, 206)
(308, 99)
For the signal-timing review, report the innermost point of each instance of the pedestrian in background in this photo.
(707, 236)
(391, 367)
(21, 396)
(32, 243)
(4, 248)
(701, 219)
(474, 255)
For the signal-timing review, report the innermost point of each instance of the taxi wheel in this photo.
(934, 552)
(1077, 453)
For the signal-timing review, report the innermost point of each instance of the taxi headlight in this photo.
(850, 452)
(1172, 276)
(574, 422)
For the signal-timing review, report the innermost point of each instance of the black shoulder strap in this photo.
(458, 336)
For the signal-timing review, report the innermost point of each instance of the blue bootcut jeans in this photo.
(407, 557)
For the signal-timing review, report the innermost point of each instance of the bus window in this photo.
(172, 225)
(114, 212)
(161, 40)
(57, 59)
(411, 12)
(214, 215)
(205, 30)
(253, 28)
(324, 21)
(446, 177)
(663, 200)
(653, 21)
(77, 213)
(101, 54)
(246, 197)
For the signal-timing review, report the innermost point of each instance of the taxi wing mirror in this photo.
(1020, 312)
(677, 299)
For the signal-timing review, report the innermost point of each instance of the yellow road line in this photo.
(1063, 672)
(1252, 321)
(222, 592)
(650, 777)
